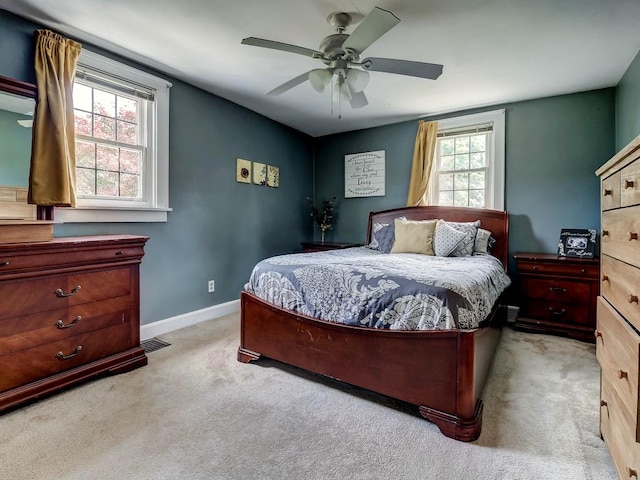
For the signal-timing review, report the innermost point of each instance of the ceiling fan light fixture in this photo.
(320, 79)
(357, 80)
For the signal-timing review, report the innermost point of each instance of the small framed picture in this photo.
(579, 243)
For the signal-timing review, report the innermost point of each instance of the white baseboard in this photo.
(150, 330)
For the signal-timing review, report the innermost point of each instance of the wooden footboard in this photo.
(441, 372)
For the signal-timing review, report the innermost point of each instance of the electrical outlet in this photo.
(211, 285)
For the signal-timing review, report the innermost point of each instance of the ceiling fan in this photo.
(341, 52)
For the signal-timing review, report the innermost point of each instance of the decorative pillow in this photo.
(384, 236)
(374, 245)
(470, 229)
(446, 239)
(414, 236)
(481, 245)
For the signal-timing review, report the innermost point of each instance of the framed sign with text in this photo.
(577, 243)
(364, 174)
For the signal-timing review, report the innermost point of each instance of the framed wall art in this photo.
(579, 243)
(364, 174)
(243, 170)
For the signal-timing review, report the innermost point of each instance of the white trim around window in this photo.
(496, 175)
(156, 204)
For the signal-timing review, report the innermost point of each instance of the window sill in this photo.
(110, 215)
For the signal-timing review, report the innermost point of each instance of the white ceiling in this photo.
(493, 51)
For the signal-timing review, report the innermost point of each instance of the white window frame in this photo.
(156, 189)
(495, 170)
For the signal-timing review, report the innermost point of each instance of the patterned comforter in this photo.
(364, 287)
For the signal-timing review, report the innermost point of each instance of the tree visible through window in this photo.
(109, 142)
(462, 170)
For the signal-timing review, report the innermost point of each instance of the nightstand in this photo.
(321, 246)
(558, 295)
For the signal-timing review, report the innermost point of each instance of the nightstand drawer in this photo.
(617, 351)
(558, 268)
(564, 313)
(558, 290)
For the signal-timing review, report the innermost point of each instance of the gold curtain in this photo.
(52, 178)
(423, 153)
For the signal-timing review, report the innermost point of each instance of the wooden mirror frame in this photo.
(25, 89)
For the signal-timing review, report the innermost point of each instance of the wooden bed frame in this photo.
(442, 372)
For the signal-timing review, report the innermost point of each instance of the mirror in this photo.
(17, 104)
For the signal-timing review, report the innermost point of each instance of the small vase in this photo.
(322, 236)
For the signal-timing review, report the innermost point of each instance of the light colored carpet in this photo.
(196, 413)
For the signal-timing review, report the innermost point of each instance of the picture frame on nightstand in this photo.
(579, 243)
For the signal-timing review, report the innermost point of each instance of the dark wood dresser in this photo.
(69, 310)
(320, 246)
(558, 295)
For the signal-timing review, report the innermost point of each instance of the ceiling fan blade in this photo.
(374, 25)
(403, 67)
(284, 47)
(358, 100)
(289, 85)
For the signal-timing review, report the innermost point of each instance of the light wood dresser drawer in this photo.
(630, 184)
(615, 430)
(611, 192)
(620, 236)
(618, 351)
(620, 284)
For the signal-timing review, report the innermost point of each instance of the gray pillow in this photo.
(383, 236)
(446, 239)
(470, 229)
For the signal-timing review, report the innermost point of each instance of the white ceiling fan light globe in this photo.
(357, 79)
(319, 79)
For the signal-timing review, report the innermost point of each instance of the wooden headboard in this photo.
(496, 221)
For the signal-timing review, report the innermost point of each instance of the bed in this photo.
(441, 371)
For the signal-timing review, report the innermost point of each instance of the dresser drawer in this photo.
(27, 331)
(56, 292)
(558, 290)
(618, 353)
(630, 184)
(18, 261)
(610, 195)
(25, 366)
(564, 313)
(558, 268)
(620, 237)
(620, 284)
(617, 432)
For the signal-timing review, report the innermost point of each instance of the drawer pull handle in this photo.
(605, 278)
(607, 192)
(119, 252)
(605, 233)
(61, 294)
(603, 403)
(629, 183)
(597, 334)
(632, 472)
(622, 374)
(633, 298)
(60, 324)
(62, 356)
(557, 312)
(633, 236)
(558, 289)
(4, 264)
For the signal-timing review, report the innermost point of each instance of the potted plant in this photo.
(323, 216)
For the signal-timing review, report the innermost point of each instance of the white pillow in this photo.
(413, 236)
(446, 239)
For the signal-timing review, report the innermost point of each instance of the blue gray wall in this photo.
(15, 149)
(628, 105)
(553, 147)
(218, 228)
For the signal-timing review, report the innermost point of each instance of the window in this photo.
(122, 159)
(468, 168)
